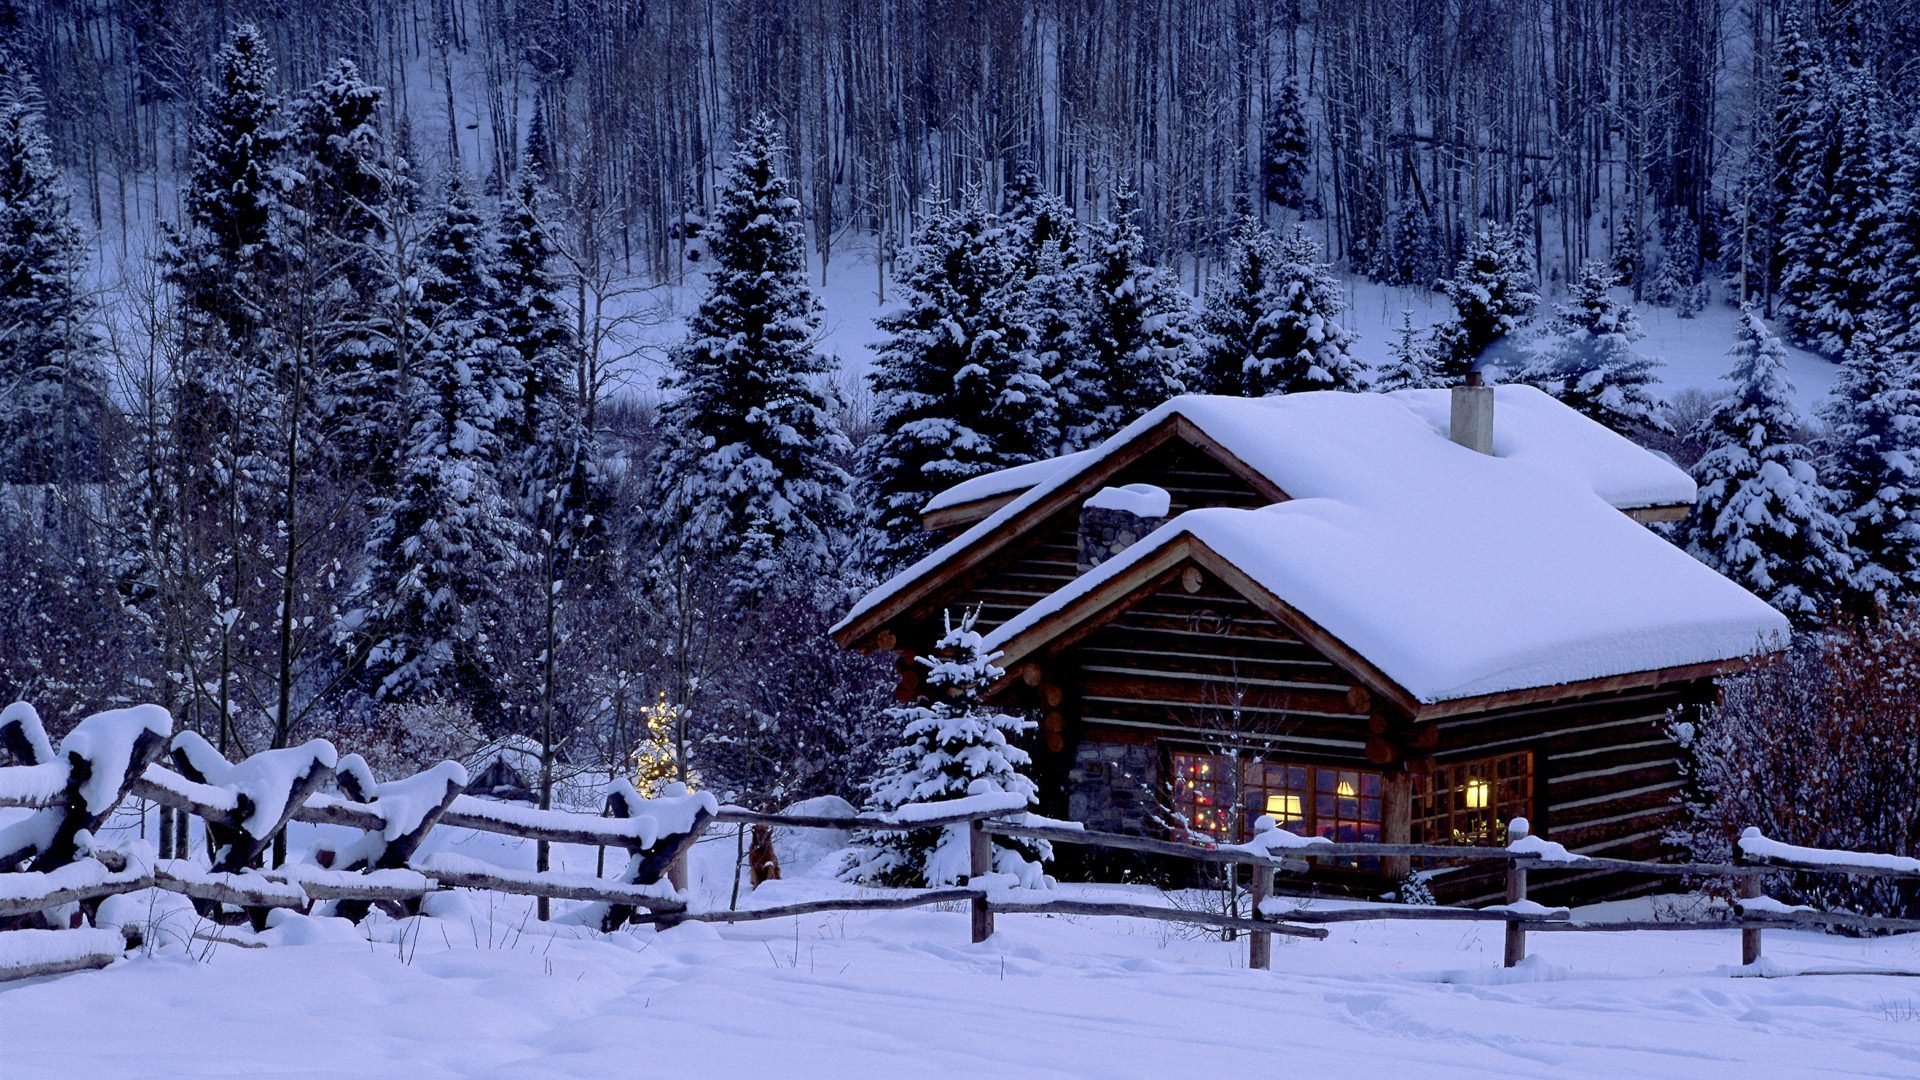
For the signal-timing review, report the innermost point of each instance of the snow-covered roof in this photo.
(1455, 573)
(1004, 482)
(1528, 424)
(1532, 426)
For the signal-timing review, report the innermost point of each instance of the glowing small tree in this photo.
(657, 761)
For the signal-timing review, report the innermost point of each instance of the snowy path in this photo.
(900, 994)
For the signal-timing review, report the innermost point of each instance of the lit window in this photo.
(1342, 805)
(1471, 802)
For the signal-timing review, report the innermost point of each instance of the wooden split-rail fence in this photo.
(49, 860)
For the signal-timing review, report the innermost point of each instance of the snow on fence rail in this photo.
(49, 860)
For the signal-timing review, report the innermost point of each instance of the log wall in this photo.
(1033, 568)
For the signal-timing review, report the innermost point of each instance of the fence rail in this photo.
(46, 862)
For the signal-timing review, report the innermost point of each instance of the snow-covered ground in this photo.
(478, 988)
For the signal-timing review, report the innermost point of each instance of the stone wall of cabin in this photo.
(1113, 786)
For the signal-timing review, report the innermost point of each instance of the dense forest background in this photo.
(1616, 120)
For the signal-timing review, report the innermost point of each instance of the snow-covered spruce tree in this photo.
(1763, 517)
(749, 441)
(1590, 362)
(553, 475)
(1302, 344)
(1492, 289)
(1139, 332)
(1286, 151)
(444, 537)
(1834, 277)
(1794, 134)
(1232, 336)
(1412, 365)
(955, 392)
(1872, 463)
(1899, 249)
(335, 226)
(1676, 280)
(1416, 250)
(53, 398)
(953, 745)
(222, 263)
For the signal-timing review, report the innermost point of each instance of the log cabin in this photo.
(1404, 617)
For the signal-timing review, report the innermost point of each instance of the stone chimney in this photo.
(1117, 517)
(1471, 422)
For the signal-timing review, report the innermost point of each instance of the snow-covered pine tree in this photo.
(1872, 462)
(1590, 362)
(1286, 150)
(1492, 289)
(54, 404)
(334, 225)
(444, 537)
(1302, 345)
(1232, 337)
(1412, 365)
(749, 441)
(1138, 335)
(1032, 219)
(1794, 135)
(955, 390)
(1676, 281)
(1833, 281)
(952, 745)
(553, 477)
(1416, 250)
(1899, 250)
(1763, 516)
(222, 263)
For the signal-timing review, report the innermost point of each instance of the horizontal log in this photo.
(1148, 845)
(610, 892)
(96, 950)
(227, 892)
(63, 888)
(1412, 913)
(811, 907)
(1621, 925)
(1148, 911)
(738, 815)
(1850, 869)
(1839, 919)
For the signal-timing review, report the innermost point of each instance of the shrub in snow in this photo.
(1590, 362)
(954, 746)
(1816, 748)
(1492, 293)
(1763, 517)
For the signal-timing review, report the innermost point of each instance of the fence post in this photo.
(1748, 889)
(1260, 943)
(1516, 892)
(980, 857)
